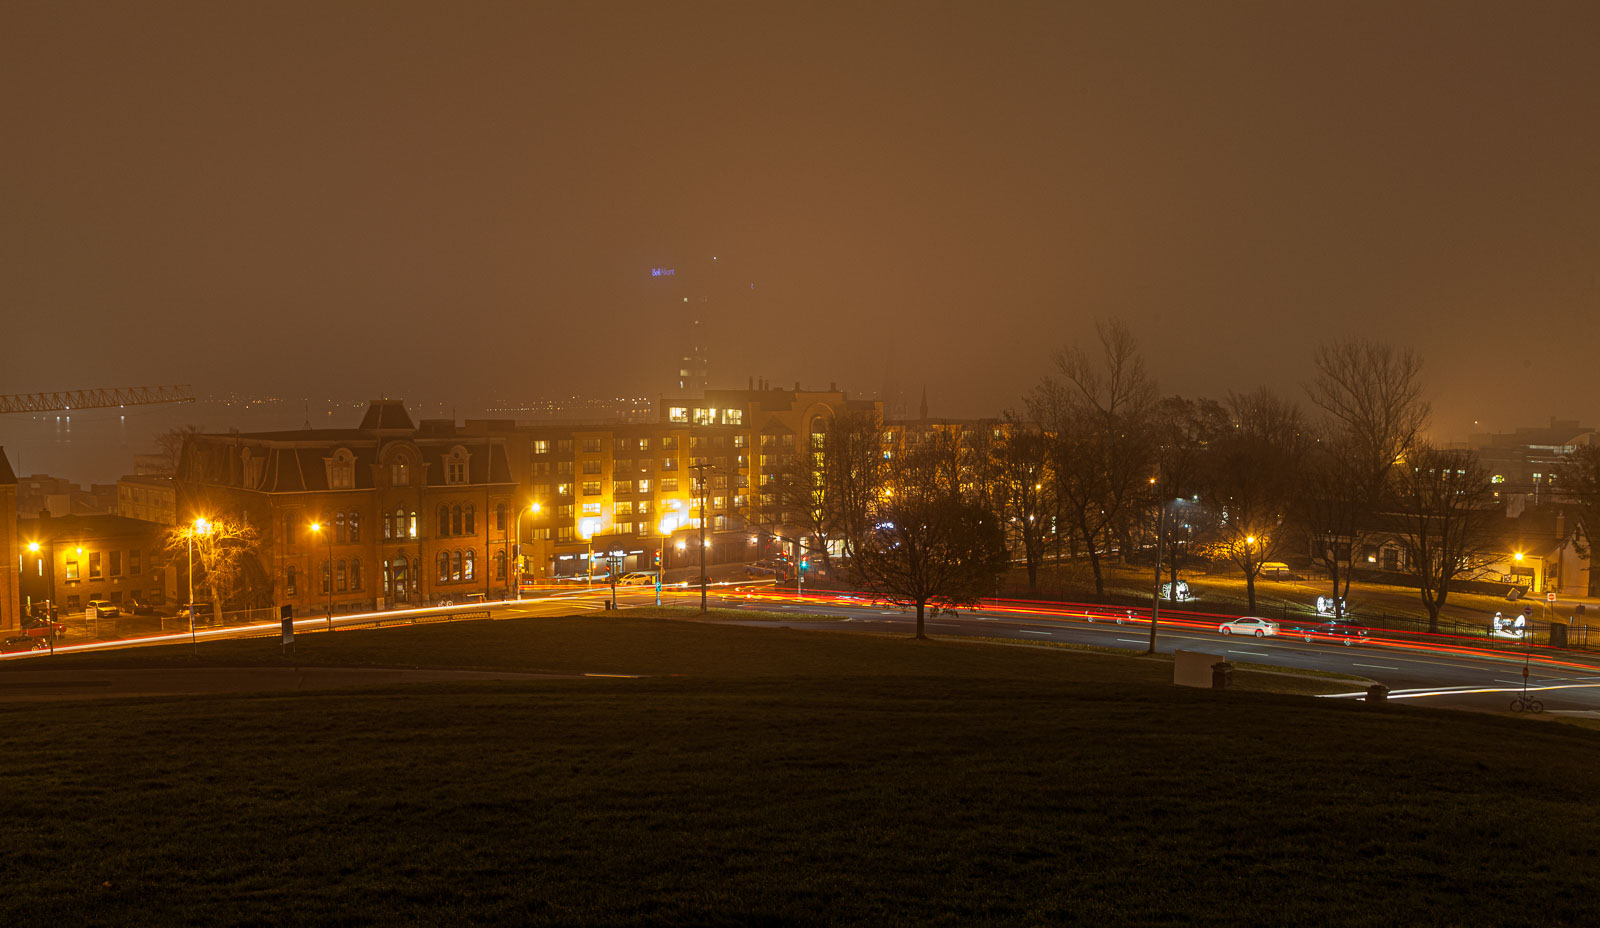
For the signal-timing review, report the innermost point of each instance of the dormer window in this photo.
(400, 474)
(455, 467)
(341, 470)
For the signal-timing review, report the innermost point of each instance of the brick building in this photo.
(10, 552)
(70, 560)
(411, 513)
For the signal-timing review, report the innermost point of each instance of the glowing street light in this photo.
(516, 560)
(200, 527)
(317, 528)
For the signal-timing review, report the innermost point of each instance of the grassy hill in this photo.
(766, 776)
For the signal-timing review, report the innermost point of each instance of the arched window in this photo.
(388, 527)
(499, 517)
(400, 523)
(444, 521)
(444, 566)
(355, 573)
(455, 567)
(327, 577)
(388, 578)
(355, 526)
(469, 525)
(288, 580)
(466, 566)
(341, 577)
(412, 529)
(499, 565)
(340, 534)
(455, 520)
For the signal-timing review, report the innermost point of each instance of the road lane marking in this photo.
(1376, 666)
(1251, 653)
(942, 625)
(1026, 632)
(1132, 640)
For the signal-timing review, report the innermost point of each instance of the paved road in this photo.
(1435, 675)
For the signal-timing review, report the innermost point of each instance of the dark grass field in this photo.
(786, 778)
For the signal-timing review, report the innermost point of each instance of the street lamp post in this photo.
(200, 527)
(318, 527)
(517, 548)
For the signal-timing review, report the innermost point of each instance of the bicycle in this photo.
(1524, 702)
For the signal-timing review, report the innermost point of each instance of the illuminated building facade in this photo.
(407, 513)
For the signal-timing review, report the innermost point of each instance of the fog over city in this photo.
(352, 200)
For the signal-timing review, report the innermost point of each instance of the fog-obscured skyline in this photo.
(465, 203)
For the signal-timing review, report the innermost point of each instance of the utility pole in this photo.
(700, 489)
(1155, 593)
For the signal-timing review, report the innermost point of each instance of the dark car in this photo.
(204, 613)
(133, 605)
(1347, 632)
(16, 644)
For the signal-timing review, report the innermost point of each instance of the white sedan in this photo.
(1249, 625)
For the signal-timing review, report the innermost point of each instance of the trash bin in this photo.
(1377, 693)
(1221, 675)
(1558, 635)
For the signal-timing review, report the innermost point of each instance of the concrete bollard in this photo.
(1378, 694)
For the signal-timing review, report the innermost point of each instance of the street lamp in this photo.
(587, 527)
(319, 528)
(200, 527)
(517, 548)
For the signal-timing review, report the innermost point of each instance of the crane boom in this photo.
(94, 398)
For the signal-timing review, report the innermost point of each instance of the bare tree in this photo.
(1371, 397)
(169, 447)
(225, 558)
(1023, 490)
(1442, 508)
(1096, 413)
(1182, 431)
(851, 476)
(1252, 474)
(930, 544)
(1579, 480)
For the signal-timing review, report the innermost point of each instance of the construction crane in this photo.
(96, 398)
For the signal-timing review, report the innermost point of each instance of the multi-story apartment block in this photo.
(71, 560)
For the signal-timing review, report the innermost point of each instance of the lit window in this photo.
(591, 488)
(644, 486)
(541, 446)
(591, 445)
(678, 414)
(591, 509)
(733, 416)
(467, 565)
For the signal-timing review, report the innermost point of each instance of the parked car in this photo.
(101, 609)
(204, 613)
(637, 578)
(1249, 625)
(16, 644)
(43, 629)
(1347, 632)
(134, 605)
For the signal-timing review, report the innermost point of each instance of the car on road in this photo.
(637, 578)
(133, 605)
(1347, 632)
(1249, 625)
(17, 644)
(100, 609)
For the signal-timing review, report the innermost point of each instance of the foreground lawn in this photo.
(787, 778)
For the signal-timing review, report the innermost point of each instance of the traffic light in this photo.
(658, 557)
(805, 564)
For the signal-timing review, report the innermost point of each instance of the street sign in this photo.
(1527, 611)
(286, 614)
(1550, 597)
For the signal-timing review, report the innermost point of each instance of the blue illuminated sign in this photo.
(663, 271)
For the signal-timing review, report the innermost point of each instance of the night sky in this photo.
(464, 201)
